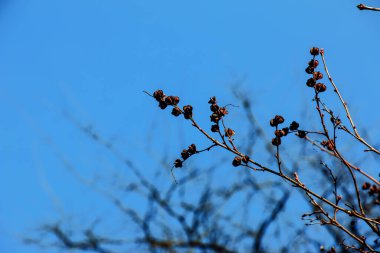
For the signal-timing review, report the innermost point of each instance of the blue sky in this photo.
(93, 59)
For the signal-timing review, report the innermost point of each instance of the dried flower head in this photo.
(245, 159)
(185, 154)
(301, 134)
(313, 63)
(310, 82)
(317, 75)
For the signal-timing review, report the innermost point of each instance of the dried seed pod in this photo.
(366, 186)
(172, 100)
(222, 111)
(314, 51)
(313, 63)
(188, 111)
(185, 154)
(294, 126)
(214, 107)
(214, 117)
(276, 141)
(301, 134)
(162, 104)
(245, 159)
(237, 161)
(212, 100)
(309, 70)
(317, 75)
(277, 120)
(192, 149)
(229, 132)
(279, 133)
(176, 111)
(215, 128)
(310, 82)
(320, 87)
(178, 163)
(158, 95)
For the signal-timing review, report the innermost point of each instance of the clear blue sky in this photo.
(92, 59)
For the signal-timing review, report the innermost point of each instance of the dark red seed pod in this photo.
(229, 132)
(276, 141)
(314, 51)
(366, 186)
(188, 111)
(279, 133)
(185, 154)
(313, 63)
(320, 87)
(172, 100)
(301, 134)
(215, 128)
(317, 75)
(192, 149)
(176, 111)
(162, 104)
(212, 100)
(237, 161)
(310, 82)
(279, 119)
(214, 107)
(178, 163)
(222, 111)
(158, 95)
(245, 159)
(215, 117)
(294, 126)
(309, 70)
(286, 131)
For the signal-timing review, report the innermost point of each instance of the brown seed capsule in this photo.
(294, 126)
(317, 75)
(158, 95)
(214, 128)
(309, 70)
(366, 186)
(176, 111)
(192, 149)
(212, 100)
(237, 161)
(172, 100)
(222, 111)
(279, 133)
(162, 104)
(178, 163)
(188, 111)
(313, 63)
(314, 51)
(214, 117)
(276, 141)
(229, 132)
(214, 107)
(185, 154)
(320, 87)
(310, 82)
(301, 134)
(245, 159)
